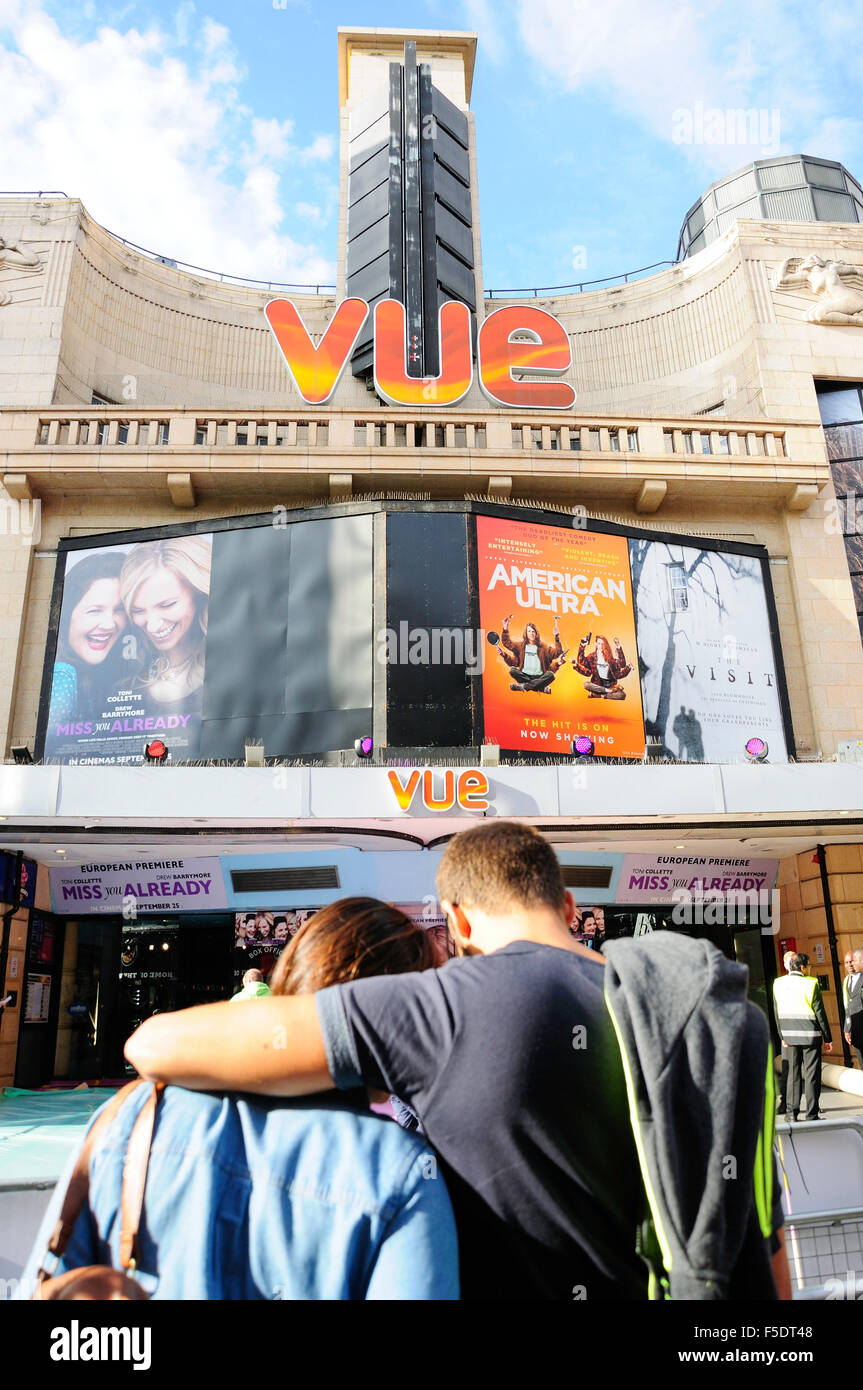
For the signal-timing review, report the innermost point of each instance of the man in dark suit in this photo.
(854, 1010)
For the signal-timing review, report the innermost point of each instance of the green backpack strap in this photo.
(651, 1242)
(764, 1152)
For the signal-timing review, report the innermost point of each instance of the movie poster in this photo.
(556, 607)
(588, 927)
(260, 937)
(131, 652)
(708, 673)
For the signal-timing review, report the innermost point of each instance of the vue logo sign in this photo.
(515, 339)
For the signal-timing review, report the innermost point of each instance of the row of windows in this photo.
(531, 436)
(141, 432)
(286, 434)
(417, 435)
(728, 442)
(376, 434)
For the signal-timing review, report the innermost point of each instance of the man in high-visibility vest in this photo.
(802, 1021)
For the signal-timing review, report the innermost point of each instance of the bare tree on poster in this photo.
(703, 579)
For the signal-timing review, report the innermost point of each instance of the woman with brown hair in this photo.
(314, 1198)
(604, 669)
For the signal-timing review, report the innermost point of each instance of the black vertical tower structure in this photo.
(410, 210)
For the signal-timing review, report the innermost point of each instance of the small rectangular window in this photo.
(102, 432)
(614, 441)
(705, 444)
(554, 439)
(400, 436)
(242, 434)
(419, 436)
(678, 585)
(63, 436)
(302, 432)
(440, 436)
(262, 438)
(517, 438)
(43, 434)
(222, 432)
(460, 437)
(123, 434)
(632, 441)
(162, 437)
(322, 436)
(575, 439)
(536, 439)
(593, 436)
(479, 437)
(201, 434)
(687, 442)
(723, 444)
(144, 432)
(668, 440)
(359, 434)
(379, 433)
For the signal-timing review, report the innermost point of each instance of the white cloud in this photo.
(311, 211)
(484, 20)
(321, 148)
(154, 139)
(657, 60)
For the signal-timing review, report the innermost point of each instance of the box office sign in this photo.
(661, 879)
(139, 886)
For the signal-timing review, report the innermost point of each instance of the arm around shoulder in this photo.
(269, 1046)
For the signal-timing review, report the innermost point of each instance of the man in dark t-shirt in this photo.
(510, 1061)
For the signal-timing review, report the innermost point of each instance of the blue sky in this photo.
(209, 131)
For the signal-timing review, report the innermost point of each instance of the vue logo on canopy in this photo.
(515, 339)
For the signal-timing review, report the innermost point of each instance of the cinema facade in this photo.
(362, 568)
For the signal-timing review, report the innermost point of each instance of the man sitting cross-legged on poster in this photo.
(533, 663)
(507, 1055)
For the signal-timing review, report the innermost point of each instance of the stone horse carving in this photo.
(835, 302)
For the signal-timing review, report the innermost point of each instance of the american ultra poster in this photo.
(556, 607)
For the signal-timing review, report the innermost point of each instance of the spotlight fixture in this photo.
(756, 750)
(21, 754)
(156, 752)
(254, 752)
(364, 747)
(582, 746)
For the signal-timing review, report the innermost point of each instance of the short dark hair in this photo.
(500, 866)
(799, 960)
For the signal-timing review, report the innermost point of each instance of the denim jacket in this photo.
(253, 1198)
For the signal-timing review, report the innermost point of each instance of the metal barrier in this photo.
(821, 1169)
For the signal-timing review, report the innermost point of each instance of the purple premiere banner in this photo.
(151, 885)
(651, 879)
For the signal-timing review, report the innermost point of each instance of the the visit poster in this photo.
(556, 608)
(708, 672)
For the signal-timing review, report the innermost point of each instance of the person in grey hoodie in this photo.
(699, 1075)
